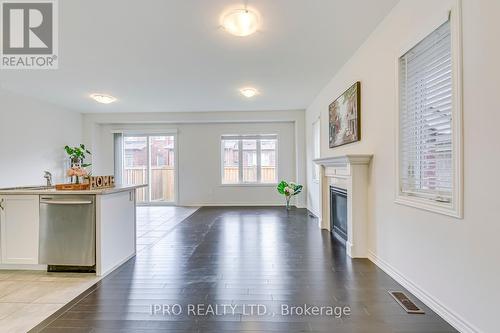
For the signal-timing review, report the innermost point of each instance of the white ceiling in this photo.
(171, 55)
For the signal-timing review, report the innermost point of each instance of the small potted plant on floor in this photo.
(289, 190)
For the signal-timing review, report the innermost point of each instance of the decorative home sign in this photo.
(344, 114)
(97, 182)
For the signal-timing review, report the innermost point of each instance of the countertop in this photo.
(104, 191)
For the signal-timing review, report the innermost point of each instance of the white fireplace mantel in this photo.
(349, 172)
(344, 160)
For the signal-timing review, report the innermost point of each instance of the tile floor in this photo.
(28, 297)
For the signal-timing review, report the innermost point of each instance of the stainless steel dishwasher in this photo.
(67, 232)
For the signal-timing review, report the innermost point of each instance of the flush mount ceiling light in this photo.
(103, 98)
(240, 22)
(249, 92)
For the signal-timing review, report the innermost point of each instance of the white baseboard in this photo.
(235, 205)
(316, 214)
(349, 249)
(451, 317)
(29, 267)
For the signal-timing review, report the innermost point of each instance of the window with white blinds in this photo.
(426, 155)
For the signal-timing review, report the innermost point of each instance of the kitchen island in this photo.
(25, 229)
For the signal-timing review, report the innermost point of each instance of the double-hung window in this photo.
(429, 124)
(249, 159)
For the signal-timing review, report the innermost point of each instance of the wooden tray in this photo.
(72, 187)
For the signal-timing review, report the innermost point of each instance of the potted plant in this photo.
(289, 190)
(77, 156)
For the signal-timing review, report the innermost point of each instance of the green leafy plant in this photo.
(78, 153)
(289, 190)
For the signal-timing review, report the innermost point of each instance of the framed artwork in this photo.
(345, 117)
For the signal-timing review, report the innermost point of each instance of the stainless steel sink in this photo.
(28, 188)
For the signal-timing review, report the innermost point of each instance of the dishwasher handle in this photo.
(65, 202)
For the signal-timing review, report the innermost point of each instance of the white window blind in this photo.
(426, 101)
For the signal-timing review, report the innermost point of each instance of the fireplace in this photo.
(338, 213)
(343, 189)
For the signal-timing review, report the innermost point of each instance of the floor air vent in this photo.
(405, 302)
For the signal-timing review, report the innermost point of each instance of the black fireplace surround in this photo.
(338, 213)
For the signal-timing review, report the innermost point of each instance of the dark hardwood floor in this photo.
(244, 256)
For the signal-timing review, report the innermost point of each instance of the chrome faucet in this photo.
(48, 176)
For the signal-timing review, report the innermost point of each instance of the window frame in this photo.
(240, 138)
(148, 134)
(455, 207)
(316, 125)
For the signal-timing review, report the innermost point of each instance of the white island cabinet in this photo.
(115, 226)
(19, 223)
(115, 230)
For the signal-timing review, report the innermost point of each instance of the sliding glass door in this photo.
(150, 159)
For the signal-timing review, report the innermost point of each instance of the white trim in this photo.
(148, 170)
(313, 212)
(316, 148)
(176, 169)
(240, 161)
(349, 248)
(236, 204)
(450, 316)
(259, 159)
(455, 209)
(250, 137)
(249, 185)
(130, 132)
(30, 267)
(457, 121)
(426, 204)
(344, 160)
(148, 135)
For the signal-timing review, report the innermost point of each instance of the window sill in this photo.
(250, 185)
(429, 205)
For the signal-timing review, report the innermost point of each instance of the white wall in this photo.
(454, 263)
(199, 150)
(32, 137)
